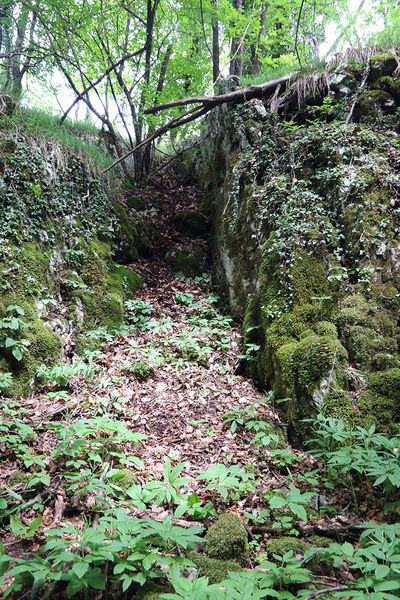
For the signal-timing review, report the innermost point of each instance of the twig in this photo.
(350, 115)
(297, 33)
(338, 588)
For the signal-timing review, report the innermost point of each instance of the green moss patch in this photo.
(226, 539)
(216, 570)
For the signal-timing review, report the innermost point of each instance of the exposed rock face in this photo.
(306, 240)
(58, 228)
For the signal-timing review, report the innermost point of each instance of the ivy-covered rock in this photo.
(60, 232)
(306, 241)
(226, 539)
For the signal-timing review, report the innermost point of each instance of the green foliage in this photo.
(168, 490)
(353, 455)
(130, 546)
(11, 327)
(291, 506)
(228, 482)
(61, 375)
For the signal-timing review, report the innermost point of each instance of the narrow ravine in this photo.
(122, 460)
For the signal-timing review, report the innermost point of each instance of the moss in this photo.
(285, 380)
(104, 309)
(132, 235)
(339, 405)
(281, 545)
(377, 409)
(136, 203)
(216, 570)
(386, 383)
(94, 263)
(365, 331)
(387, 295)
(125, 478)
(382, 361)
(18, 478)
(151, 591)
(388, 84)
(326, 328)
(314, 358)
(375, 102)
(129, 280)
(381, 65)
(189, 262)
(226, 539)
(192, 223)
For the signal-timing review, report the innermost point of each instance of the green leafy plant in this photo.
(227, 481)
(63, 374)
(11, 327)
(167, 491)
(291, 505)
(5, 381)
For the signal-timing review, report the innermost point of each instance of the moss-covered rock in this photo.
(192, 223)
(216, 570)
(389, 85)
(386, 383)
(125, 478)
(57, 264)
(377, 409)
(136, 203)
(189, 262)
(375, 103)
(381, 65)
(132, 236)
(305, 240)
(18, 478)
(281, 545)
(226, 539)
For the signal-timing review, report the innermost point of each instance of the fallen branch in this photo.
(349, 532)
(206, 103)
(235, 97)
(338, 588)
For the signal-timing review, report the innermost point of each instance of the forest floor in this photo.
(156, 420)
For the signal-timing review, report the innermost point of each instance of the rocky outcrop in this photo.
(61, 231)
(306, 243)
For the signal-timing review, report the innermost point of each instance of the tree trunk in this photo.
(215, 44)
(236, 63)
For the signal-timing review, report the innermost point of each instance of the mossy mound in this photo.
(381, 65)
(192, 223)
(125, 479)
(189, 262)
(281, 545)
(216, 570)
(226, 539)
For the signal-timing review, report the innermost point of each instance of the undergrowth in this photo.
(120, 525)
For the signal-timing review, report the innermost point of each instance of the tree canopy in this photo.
(121, 57)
